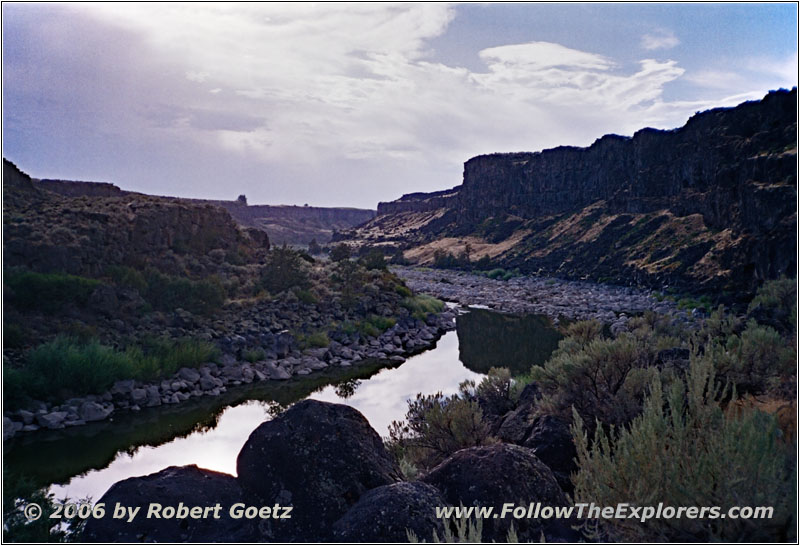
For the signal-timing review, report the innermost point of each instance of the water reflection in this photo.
(488, 339)
(381, 398)
(209, 432)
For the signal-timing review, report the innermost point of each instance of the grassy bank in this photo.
(67, 367)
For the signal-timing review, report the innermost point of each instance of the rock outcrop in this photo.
(319, 458)
(710, 205)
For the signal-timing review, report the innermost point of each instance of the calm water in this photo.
(86, 461)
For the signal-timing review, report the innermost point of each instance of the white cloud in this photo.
(660, 39)
(331, 96)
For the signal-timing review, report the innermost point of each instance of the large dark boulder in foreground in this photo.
(550, 439)
(498, 474)
(319, 458)
(387, 513)
(189, 485)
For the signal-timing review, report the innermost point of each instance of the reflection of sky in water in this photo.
(382, 399)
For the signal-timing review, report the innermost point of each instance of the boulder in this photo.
(389, 512)
(319, 458)
(516, 425)
(551, 440)
(189, 374)
(189, 485)
(92, 411)
(54, 419)
(498, 474)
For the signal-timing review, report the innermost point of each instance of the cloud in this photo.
(660, 39)
(337, 104)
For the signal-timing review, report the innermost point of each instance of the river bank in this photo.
(406, 337)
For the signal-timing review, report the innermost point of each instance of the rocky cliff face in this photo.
(711, 205)
(711, 166)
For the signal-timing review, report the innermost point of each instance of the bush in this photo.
(374, 260)
(604, 379)
(314, 339)
(128, 277)
(349, 276)
(48, 291)
(67, 367)
(436, 427)
(754, 360)
(775, 304)
(167, 293)
(306, 296)
(340, 253)
(422, 305)
(495, 393)
(283, 270)
(254, 355)
(684, 451)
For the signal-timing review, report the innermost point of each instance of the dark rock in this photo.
(189, 485)
(550, 439)
(387, 513)
(92, 411)
(516, 425)
(318, 457)
(495, 475)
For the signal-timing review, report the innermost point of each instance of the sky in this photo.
(350, 104)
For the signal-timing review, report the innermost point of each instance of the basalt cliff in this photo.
(708, 206)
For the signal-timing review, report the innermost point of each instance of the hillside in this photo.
(289, 224)
(708, 206)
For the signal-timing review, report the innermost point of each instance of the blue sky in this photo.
(347, 105)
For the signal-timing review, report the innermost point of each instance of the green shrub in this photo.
(283, 270)
(64, 367)
(254, 355)
(684, 451)
(167, 293)
(403, 291)
(317, 339)
(775, 304)
(127, 276)
(67, 367)
(340, 253)
(374, 260)
(498, 273)
(605, 379)
(349, 276)
(753, 360)
(306, 296)
(435, 427)
(495, 393)
(422, 305)
(381, 323)
(48, 291)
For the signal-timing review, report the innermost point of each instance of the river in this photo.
(85, 461)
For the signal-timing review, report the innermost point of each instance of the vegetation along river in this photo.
(85, 461)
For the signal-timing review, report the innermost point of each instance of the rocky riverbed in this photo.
(555, 298)
(406, 337)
